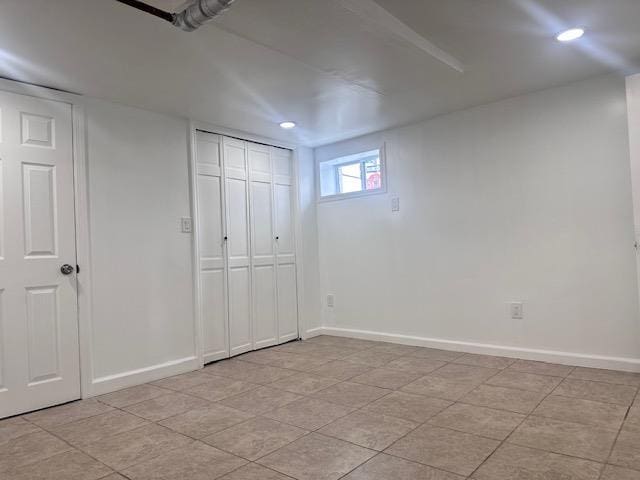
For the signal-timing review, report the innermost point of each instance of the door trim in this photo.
(81, 213)
(194, 126)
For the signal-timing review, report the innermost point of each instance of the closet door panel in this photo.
(212, 265)
(284, 225)
(265, 331)
(239, 274)
(265, 327)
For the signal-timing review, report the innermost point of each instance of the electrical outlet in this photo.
(395, 204)
(517, 312)
(186, 225)
(331, 300)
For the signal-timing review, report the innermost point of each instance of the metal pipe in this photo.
(169, 17)
(199, 13)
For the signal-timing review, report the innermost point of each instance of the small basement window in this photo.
(352, 175)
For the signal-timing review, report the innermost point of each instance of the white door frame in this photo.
(80, 180)
(207, 127)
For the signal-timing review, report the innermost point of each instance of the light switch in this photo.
(186, 225)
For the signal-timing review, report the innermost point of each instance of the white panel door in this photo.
(238, 245)
(283, 193)
(39, 352)
(263, 258)
(211, 233)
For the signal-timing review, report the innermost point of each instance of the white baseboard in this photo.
(111, 383)
(565, 358)
(313, 332)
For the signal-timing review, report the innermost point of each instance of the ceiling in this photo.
(335, 69)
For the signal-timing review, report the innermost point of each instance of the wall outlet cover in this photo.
(331, 300)
(517, 310)
(186, 225)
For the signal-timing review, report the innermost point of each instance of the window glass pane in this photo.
(373, 174)
(349, 177)
(362, 171)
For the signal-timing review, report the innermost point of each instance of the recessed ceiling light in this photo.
(288, 125)
(570, 35)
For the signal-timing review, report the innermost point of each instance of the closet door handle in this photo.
(277, 238)
(225, 239)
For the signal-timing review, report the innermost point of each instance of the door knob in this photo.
(66, 269)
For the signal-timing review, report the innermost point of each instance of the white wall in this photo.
(633, 110)
(309, 311)
(142, 318)
(527, 199)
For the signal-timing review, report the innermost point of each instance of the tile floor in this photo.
(331, 408)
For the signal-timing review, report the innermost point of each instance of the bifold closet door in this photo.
(283, 193)
(263, 258)
(238, 245)
(211, 232)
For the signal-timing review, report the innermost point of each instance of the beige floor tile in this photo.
(351, 394)
(303, 383)
(67, 413)
(182, 382)
(415, 364)
(260, 400)
(626, 452)
(617, 473)
(261, 357)
(511, 399)
(395, 348)
(253, 471)
(369, 430)
(309, 413)
(596, 391)
(371, 358)
(386, 467)
(28, 449)
(386, 378)
(487, 422)
(251, 373)
(488, 361)
(292, 361)
(525, 381)
(166, 406)
(84, 432)
(231, 367)
(511, 462)
(129, 396)
(632, 421)
(255, 438)
(542, 368)
(356, 343)
(607, 376)
(440, 387)
(196, 461)
(449, 450)
(114, 476)
(575, 439)
(465, 373)
(15, 427)
(436, 354)
(340, 370)
(136, 446)
(333, 352)
(577, 410)
(316, 457)
(218, 388)
(200, 422)
(415, 408)
(72, 465)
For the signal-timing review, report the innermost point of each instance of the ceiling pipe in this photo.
(199, 13)
(189, 19)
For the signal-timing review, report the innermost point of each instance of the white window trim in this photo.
(364, 193)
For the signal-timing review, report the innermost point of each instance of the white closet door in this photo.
(287, 305)
(238, 246)
(265, 325)
(39, 364)
(211, 231)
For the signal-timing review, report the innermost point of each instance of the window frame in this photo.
(362, 193)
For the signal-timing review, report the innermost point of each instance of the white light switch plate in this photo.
(186, 225)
